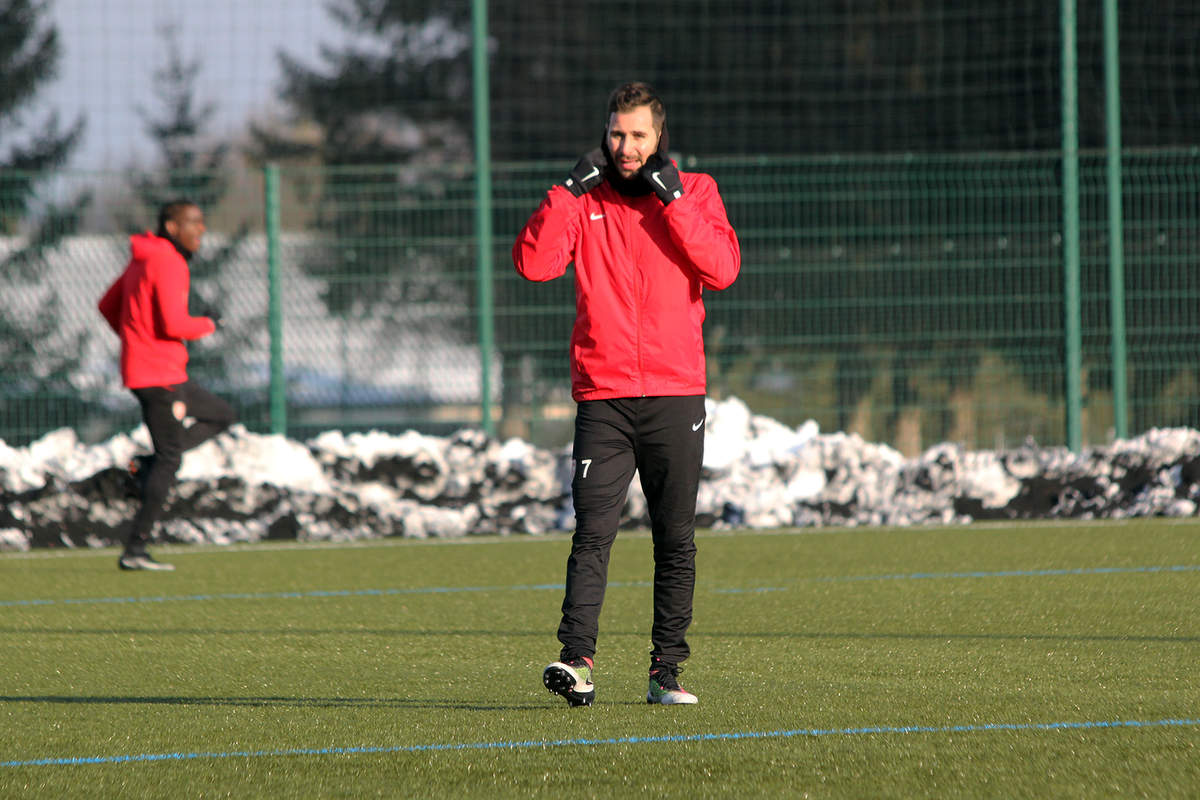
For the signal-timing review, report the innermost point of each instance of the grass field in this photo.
(1047, 660)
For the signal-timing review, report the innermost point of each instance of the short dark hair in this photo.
(636, 94)
(172, 210)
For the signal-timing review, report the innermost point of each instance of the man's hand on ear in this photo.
(663, 178)
(587, 173)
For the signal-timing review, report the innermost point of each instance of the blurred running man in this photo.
(646, 240)
(147, 306)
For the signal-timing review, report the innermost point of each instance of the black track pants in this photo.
(663, 439)
(171, 440)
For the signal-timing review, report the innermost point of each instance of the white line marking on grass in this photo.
(534, 744)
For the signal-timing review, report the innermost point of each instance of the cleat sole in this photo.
(562, 683)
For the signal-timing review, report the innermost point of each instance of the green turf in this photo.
(872, 662)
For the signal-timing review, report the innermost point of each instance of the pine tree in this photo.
(397, 92)
(396, 89)
(37, 358)
(391, 105)
(189, 166)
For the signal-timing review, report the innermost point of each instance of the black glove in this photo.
(663, 178)
(587, 174)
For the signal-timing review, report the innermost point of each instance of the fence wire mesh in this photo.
(893, 173)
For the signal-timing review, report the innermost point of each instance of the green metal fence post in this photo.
(1116, 219)
(1070, 244)
(274, 300)
(483, 205)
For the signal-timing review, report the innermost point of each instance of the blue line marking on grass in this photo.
(279, 595)
(751, 590)
(317, 593)
(674, 739)
(298, 595)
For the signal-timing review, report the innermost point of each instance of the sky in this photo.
(110, 50)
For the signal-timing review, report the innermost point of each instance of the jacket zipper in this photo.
(637, 301)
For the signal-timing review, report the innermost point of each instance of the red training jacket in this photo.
(148, 308)
(640, 270)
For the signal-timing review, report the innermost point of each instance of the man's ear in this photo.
(172, 228)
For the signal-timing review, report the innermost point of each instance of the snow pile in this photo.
(757, 473)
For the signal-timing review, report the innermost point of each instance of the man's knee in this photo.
(675, 541)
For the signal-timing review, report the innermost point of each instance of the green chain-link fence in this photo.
(895, 173)
(908, 299)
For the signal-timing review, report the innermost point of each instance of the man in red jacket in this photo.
(646, 241)
(147, 306)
